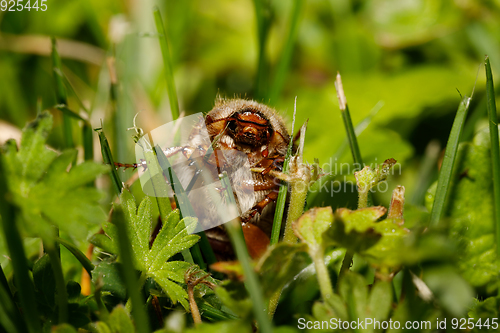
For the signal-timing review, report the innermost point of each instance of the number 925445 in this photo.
(23, 5)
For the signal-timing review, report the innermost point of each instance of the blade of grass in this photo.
(167, 63)
(251, 282)
(15, 247)
(426, 172)
(130, 275)
(88, 142)
(445, 174)
(214, 314)
(356, 153)
(10, 317)
(61, 294)
(79, 255)
(61, 95)
(346, 117)
(351, 134)
(286, 55)
(495, 146)
(107, 157)
(360, 127)
(262, 15)
(281, 201)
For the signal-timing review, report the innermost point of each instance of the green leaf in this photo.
(235, 297)
(485, 309)
(106, 241)
(43, 188)
(450, 289)
(100, 327)
(356, 302)
(45, 283)
(63, 328)
(354, 230)
(229, 326)
(311, 226)
(274, 276)
(119, 321)
(380, 300)
(153, 262)
(107, 274)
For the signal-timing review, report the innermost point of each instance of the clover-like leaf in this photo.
(153, 262)
(360, 232)
(47, 193)
(292, 260)
(311, 226)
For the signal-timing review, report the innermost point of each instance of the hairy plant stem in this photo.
(325, 285)
(347, 262)
(297, 200)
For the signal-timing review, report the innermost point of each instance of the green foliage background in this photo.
(401, 62)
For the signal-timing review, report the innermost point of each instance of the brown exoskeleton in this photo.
(259, 132)
(237, 126)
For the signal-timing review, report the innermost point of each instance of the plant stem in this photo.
(107, 158)
(448, 161)
(286, 55)
(167, 63)
(61, 95)
(495, 147)
(18, 257)
(262, 16)
(325, 285)
(251, 282)
(299, 189)
(281, 201)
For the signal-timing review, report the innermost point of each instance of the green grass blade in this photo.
(346, 117)
(107, 157)
(88, 142)
(449, 160)
(262, 14)
(251, 282)
(10, 317)
(167, 62)
(281, 201)
(70, 88)
(426, 172)
(356, 153)
(18, 258)
(61, 294)
(214, 314)
(79, 255)
(495, 145)
(286, 55)
(61, 95)
(130, 275)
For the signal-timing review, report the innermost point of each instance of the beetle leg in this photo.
(275, 165)
(259, 207)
